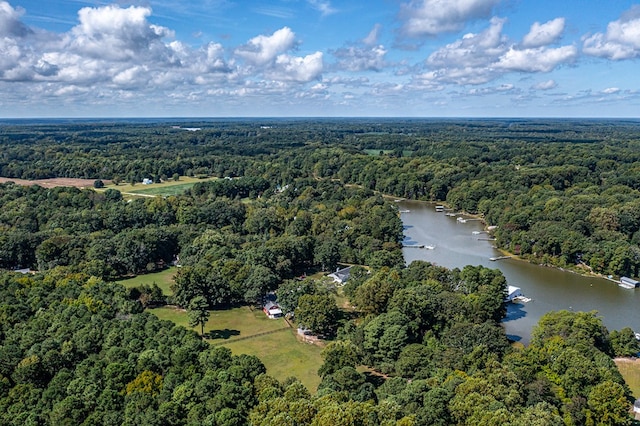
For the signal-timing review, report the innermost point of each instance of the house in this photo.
(270, 307)
(272, 310)
(340, 276)
(513, 293)
(147, 181)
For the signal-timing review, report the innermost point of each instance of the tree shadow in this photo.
(514, 311)
(222, 334)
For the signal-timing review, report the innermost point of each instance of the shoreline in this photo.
(514, 256)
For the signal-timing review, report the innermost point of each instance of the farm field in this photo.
(241, 330)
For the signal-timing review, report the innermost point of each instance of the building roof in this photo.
(341, 275)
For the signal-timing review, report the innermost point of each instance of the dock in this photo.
(499, 258)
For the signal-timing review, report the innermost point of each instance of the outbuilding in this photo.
(513, 293)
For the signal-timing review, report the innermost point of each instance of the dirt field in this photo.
(52, 183)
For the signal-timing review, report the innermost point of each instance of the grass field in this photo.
(279, 350)
(165, 189)
(630, 370)
(164, 279)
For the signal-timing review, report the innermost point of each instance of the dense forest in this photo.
(418, 345)
(562, 192)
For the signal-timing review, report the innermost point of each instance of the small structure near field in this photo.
(271, 308)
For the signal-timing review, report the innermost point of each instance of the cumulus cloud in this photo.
(262, 49)
(433, 17)
(297, 69)
(118, 34)
(611, 90)
(544, 34)
(10, 24)
(545, 85)
(361, 58)
(621, 40)
(365, 55)
(485, 56)
(540, 59)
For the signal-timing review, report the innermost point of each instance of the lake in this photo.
(456, 245)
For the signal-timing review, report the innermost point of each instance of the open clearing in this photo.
(164, 279)
(165, 189)
(630, 370)
(249, 331)
(53, 182)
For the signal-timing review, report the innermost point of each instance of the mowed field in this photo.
(165, 189)
(164, 279)
(630, 370)
(246, 331)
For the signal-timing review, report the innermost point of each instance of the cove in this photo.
(457, 244)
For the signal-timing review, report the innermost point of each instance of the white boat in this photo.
(429, 247)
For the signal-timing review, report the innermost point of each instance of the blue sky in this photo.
(408, 58)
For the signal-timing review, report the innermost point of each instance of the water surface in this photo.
(550, 289)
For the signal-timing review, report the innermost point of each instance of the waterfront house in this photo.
(513, 293)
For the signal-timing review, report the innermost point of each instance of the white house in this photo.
(341, 276)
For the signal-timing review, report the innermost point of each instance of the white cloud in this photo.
(297, 69)
(113, 33)
(483, 57)
(372, 38)
(540, 59)
(544, 34)
(358, 58)
(365, 55)
(621, 41)
(324, 7)
(262, 49)
(432, 17)
(611, 90)
(545, 85)
(10, 24)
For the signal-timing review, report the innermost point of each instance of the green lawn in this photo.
(166, 188)
(630, 370)
(164, 279)
(279, 350)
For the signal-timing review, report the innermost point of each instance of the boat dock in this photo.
(499, 258)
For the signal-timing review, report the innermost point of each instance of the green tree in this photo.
(198, 313)
(318, 313)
